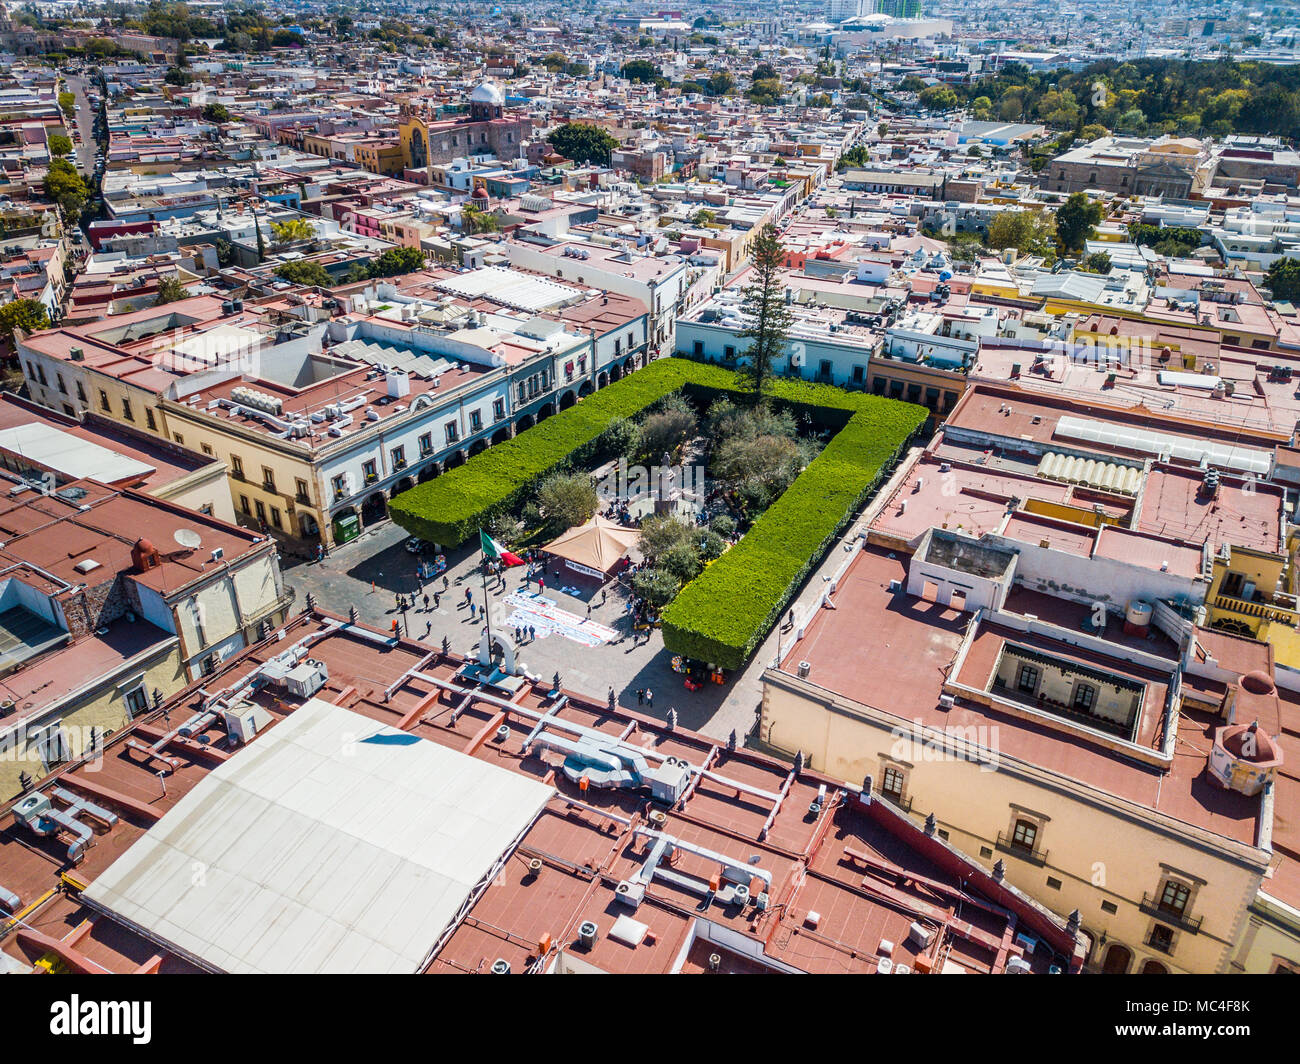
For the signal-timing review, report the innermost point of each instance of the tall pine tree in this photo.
(765, 306)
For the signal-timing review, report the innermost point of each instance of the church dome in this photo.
(488, 93)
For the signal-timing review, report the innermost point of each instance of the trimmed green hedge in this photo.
(724, 613)
(452, 507)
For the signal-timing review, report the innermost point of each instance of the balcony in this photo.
(1034, 856)
(1151, 906)
(1281, 608)
(897, 801)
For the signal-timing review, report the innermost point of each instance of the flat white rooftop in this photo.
(50, 447)
(330, 844)
(509, 288)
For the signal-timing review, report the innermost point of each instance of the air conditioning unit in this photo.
(805, 667)
(305, 679)
(1018, 966)
(947, 701)
(244, 721)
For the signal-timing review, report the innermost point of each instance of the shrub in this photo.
(655, 586)
(681, 561)
(664, 431)
(724, 525)
(660, 534)
(567, 500)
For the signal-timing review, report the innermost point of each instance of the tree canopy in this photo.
(304, 272)
(29, 315)
(583, 143)
(1076, 219)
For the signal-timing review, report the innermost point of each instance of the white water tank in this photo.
(1137, 618)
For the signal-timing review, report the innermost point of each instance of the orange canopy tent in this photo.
(596, 546)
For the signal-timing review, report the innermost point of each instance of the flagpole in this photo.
(486, 611)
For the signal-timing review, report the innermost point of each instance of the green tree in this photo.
(59, 144)
(29, 315)
(396, 261)
(292, 230)
(476, 220)
(640, 70)
(304, 272)
(720, 84)
(68, 105)
(170, 289)
(583, 143)
(216, 112)
(176, 76)
(658, 588)
(65, 186)
(938, 98)
(1283, 279)
(567, 499)
(1076, 220)
(1097, 262)
(661, 533)
(666, 429)
(1029, 232)
(765, 305)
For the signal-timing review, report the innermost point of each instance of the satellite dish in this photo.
(187, 538)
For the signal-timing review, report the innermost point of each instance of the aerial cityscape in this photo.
(536, 488)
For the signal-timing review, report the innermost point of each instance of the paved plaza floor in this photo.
(586, 638)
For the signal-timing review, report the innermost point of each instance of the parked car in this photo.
(416, 545)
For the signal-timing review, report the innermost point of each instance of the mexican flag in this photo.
(495, 552)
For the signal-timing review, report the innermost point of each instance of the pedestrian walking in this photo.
(532, 633)
(640, 696)
(473, 612)
(426, 603)
(649, 698)
(519, 638)
(469, 596)
(428, 627)
(437, 600)
(602, 596)
(588, 610)
(445, 584)
(541, 584)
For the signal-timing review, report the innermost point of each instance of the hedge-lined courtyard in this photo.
(722, 615)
